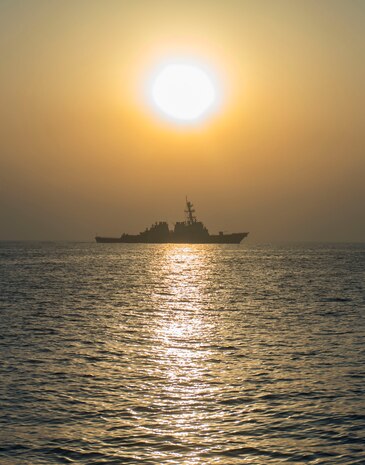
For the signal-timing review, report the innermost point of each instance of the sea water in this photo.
(181, 354)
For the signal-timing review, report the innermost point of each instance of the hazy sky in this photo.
(82, 152)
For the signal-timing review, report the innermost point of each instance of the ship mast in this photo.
(189, 212)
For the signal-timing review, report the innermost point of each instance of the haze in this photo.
(82, 153)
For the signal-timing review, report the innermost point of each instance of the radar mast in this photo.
(191, 219)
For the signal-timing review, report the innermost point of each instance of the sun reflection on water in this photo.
(182, 332)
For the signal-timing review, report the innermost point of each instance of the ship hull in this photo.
(234, 238)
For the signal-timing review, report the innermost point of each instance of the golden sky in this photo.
(81, 150)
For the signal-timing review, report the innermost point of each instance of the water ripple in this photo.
(193, 355)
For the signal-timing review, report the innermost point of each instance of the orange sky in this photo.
(81, 151)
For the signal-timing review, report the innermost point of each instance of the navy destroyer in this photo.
(190, 231)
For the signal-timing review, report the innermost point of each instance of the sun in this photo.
(184, 92)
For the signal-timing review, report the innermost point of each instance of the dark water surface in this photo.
(173, 354)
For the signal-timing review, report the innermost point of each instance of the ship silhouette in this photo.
(190, 231)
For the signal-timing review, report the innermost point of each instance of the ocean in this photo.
(182, 354)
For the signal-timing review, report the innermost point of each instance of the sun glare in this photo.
(184, 92)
